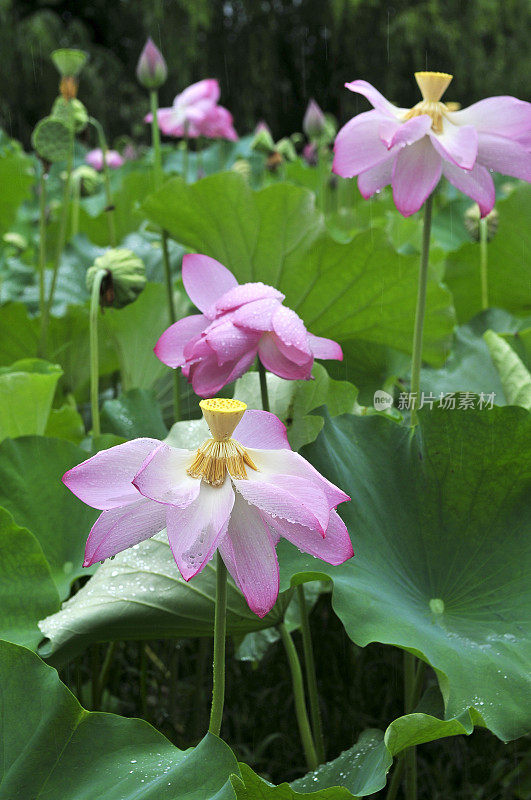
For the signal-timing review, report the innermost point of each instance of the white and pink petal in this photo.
(416, 173)
(476, 183)
(335, 547)
(358, 146)
(120, 528)
(249, 555)
(163, 477)
(196, 531)
(106, 480)
(261, 429)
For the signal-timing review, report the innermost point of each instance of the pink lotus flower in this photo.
(195, 112)
(237, 323)
(411, 148)
(95, 159)
(217, 124)
(238, 495)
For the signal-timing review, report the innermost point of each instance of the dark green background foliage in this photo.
(270, 56)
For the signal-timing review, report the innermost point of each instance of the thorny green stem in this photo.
(94, 356)
(220, 627)
(311, 677)
(158, 178)
(263, 385)
(483, 256)
(416, 356)
(107, 180)
(298, 694)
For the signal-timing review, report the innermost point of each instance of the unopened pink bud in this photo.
(151, 69)
(314, 122)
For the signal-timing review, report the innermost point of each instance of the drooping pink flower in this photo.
(237, 323)
(217, 124)
(411, 148)
(189, 109)
(95, 159)
(238, 493)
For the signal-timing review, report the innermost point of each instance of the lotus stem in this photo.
(311, 676)
(220, 629)
(483, 256)
(42, 257)
(158, 178)
(107, 180)
(263, 385)
(416, 356)
(298, 694)
(60, 246)
(94, 355)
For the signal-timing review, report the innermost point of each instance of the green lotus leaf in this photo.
(27, 590)
(52, 748)
(32, 491)
(438, 523)
(52, 139)
(27, 389)
(514, 376)
(508, 268)
(140, 594)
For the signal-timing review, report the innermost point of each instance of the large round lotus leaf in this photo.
(52, 748)
(27, 590)
(32, 491)
(52, 139)
(439, 523)
(140, 594)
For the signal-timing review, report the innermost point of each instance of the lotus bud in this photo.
(310, 154)
(151, 69)
(242, 167)
(262, 126)
(73, 112)
(16, 240)
(263, 141)
(314, 122)
(125, 279)
(88, 178)
(286, 149)
(472, 218)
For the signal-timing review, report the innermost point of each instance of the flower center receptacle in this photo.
(432, 85)
(221, 453)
